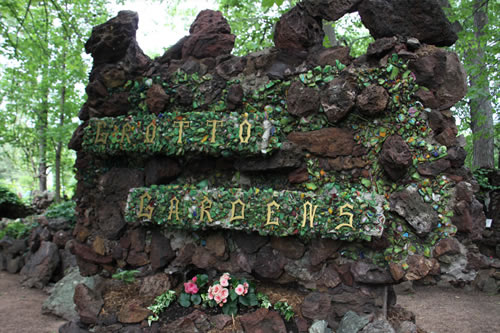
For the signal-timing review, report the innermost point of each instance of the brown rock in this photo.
(442, 72)
(156, 99)
(208, 45)
(88, 304)
(424, 20)
(446, 246)
(367, 272)
(330, 10)
(109, 41)
(456, 156)
(160, 170)
(264, 321)
(249, 242)
(372, 100)
(329, 277)
(185, 255)
(301, 100)
(330, 56)
(210, 22)
(397, 271)
(40, 266)
(395, 157)
(234, 96)
(316, 305)
(427, 98)
(447, 137)
(268, 263)
(98, 246)
(60, 238)
(113, 77)
(331, 142)
(221, 321)
(297, 30)
(346, 163)
(88, 254)
(419, 267)
(155, 285)
(323, 248)
(137, 258)
(228, 69)
(202, 258)
(291, 247)
(181, 325)
(132, 312)
(381, 46)
(216, 244)
(137, 239)
(298, 176)
(433, 168)
(338, 98)
(161, 252)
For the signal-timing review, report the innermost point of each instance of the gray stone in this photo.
(367, 272)
(404, 288)
(407, 327)
(410, 205)
(352, 323)
(60, 302)
(40, 266)
(319, 326)
(378, 326)
(14, 265)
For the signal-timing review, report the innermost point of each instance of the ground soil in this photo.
(20, 308)
(437, 310)
(453, 310)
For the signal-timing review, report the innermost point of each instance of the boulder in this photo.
(446, 246)
(109, 41)
(395, 157)
(60, 302)
(263, 320)
(330, 10)
(302, 100)
(156, 99)
(433, 168)
(88, 304)
(316, 305)
(419, 267)
(338, 98)
(352, 323)
(210, 36)
(329, 56)
(330, 142)
(372, 100)
(269, 263)
(422, 19)
(40, 266)
(367, 272)
(410, 205)
(381, 46)
(296, 30)
(442, 72)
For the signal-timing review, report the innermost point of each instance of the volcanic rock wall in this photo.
(296, 165)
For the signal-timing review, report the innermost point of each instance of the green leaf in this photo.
(185, 300)
(311, 186)
(196, 299)
(230, 308)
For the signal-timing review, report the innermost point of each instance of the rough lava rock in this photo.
(338, 98)
(210, 36)
(302, 100)
(372, 100)
(331, 142)
(88, 304)
(395, 157)
(422, 19)
(410, 205)
(109, 41)
(41, 265)
(263, 320)
(296, 30)
(330, 10)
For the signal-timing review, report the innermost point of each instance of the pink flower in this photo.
(224, 293)
(240, 290)
(217, 298)
(224, 279)
(190, 288)
(194, 279)
(216, 289)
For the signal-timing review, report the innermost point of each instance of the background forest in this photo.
(43, 72)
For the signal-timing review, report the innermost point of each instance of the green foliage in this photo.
(64, 209)
(17, 229)
(193, 296)
(263, 301)
(7, 196)
(481, 176)
(127, 276)
(284, 309)
(160, 304)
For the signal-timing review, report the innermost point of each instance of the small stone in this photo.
(263, 320)
(448, 246)
(316, 305)
(352, 323)
(372, 100)
(395, 157)
(367, 272)
(301, 100)
(132, 312)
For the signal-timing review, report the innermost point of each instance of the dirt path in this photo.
(453, 310)
(20, 308)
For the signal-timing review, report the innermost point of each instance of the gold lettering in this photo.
(174, 201)
(214, 123)
(248, 131)
(150, 137)
(348, 214)
(206, 204)
(269, 212)
(148, 208)
(101, 137)
(312, 211)
(125, 128)
(233, 209)
(182, 124)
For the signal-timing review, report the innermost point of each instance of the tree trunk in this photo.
(330, 32)
(42, 144)
(480, 104)
(59, 145)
